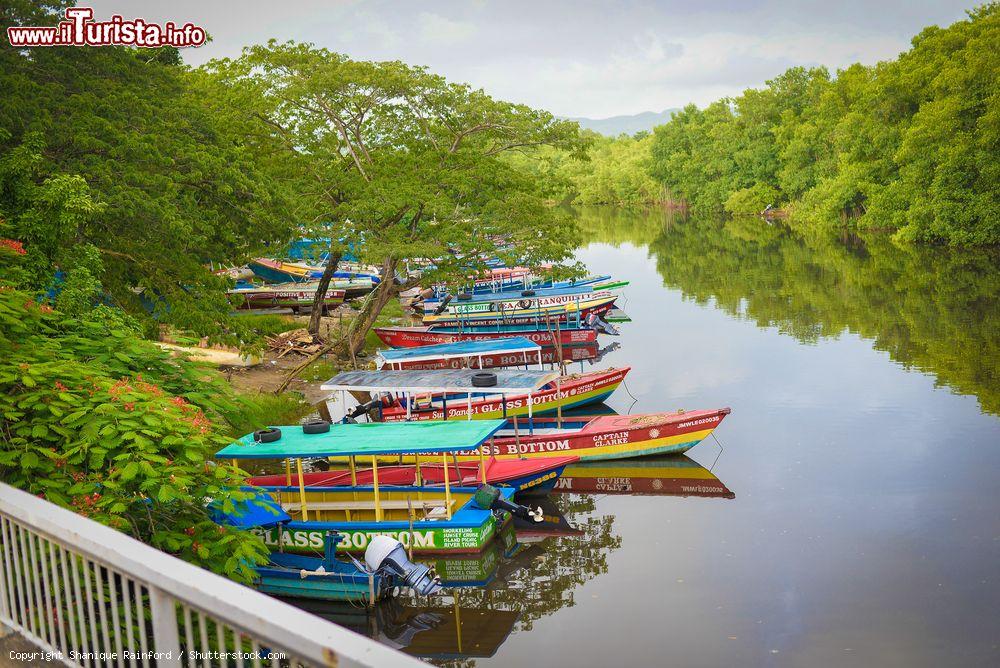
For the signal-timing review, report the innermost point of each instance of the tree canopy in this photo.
(402, 165)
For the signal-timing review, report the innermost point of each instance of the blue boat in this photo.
(325, 577)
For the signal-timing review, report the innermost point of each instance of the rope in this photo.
(629, 393)
(721, 449)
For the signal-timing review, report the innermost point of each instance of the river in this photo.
(850, 515)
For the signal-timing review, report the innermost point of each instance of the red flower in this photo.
(13, 245)
(61, 387)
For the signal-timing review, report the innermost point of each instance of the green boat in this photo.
(439, 519)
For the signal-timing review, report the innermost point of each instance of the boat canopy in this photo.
(451, 381)
(512, 345)
(375, 438)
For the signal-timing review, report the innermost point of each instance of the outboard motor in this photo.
(362, 409)
(595, 323)
(389, 555)
(489, 497)
(443, 305)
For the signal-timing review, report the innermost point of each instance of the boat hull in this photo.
(549, 355)
(569, 312)
(605, 437)
(411, 337)
(535, 476)
(286, 297)
(574, 390)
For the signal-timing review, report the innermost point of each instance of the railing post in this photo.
(166, 640)
(4, 606)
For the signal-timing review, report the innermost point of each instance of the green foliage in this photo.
(907, 145)
(406, 164)
(116, 170)
(106, 424)
(751, 200)
(255, 411)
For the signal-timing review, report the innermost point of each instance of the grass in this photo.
(268, 324)
(260, 409)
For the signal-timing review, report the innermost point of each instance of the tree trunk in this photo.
(324, 283)
(364, 320)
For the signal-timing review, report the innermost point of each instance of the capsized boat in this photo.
(672, 475)
(428, 519)
(286, 295)
(451, 393)
(575, 308)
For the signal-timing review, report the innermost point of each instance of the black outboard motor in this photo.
(595, 323)
(443, 305)
(362, 409)
(489, 497)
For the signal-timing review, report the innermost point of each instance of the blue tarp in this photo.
(259, 511)
(514, 344)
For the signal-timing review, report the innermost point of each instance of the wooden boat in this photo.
(673, 475)
(500, 280)
(327, 578)
(429, 519)
(482, 354)
(507, 313)
(532, 298)
(435, 395)
(408, 337)
(354, 282)
(536, 476)
(295, 296)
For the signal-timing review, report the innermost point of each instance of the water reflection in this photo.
(676, 475)
(932, 309)
(531, 571)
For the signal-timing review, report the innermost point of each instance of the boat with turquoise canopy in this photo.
(438, 519)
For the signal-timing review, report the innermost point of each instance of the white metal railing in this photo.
(95, 598)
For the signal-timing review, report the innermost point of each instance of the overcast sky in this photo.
(573, 57)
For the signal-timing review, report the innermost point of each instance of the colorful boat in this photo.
(576, 309)
(531, 298)
(604, 437)
(295, 296)
(357, 279)
(436, 395)
(408, 337)
(482, 354)
(326, 578)
(438, 519)
(675, 475)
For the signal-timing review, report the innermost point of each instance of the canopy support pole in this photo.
(531, 419)
(482, 460)
(302, 490)
(447, 486)
(378, 499)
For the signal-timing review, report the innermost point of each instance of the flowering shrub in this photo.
(106, 424)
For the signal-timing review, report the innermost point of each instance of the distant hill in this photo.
(616, 125)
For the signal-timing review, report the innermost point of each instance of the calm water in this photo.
(853, 517)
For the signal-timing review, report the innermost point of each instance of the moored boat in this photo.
(408, 337)
(483, 354)
(428, 519)
(535, 476)
(531, 298)
(577, 309)
(447, 394)
(295, 296)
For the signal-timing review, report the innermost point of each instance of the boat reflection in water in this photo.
(528, 573)
(673, 475)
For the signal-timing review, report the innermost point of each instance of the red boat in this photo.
(573, 390)
(600, 438)
(525, 475)
(410, 337)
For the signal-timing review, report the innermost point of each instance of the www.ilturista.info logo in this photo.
(79, 29)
